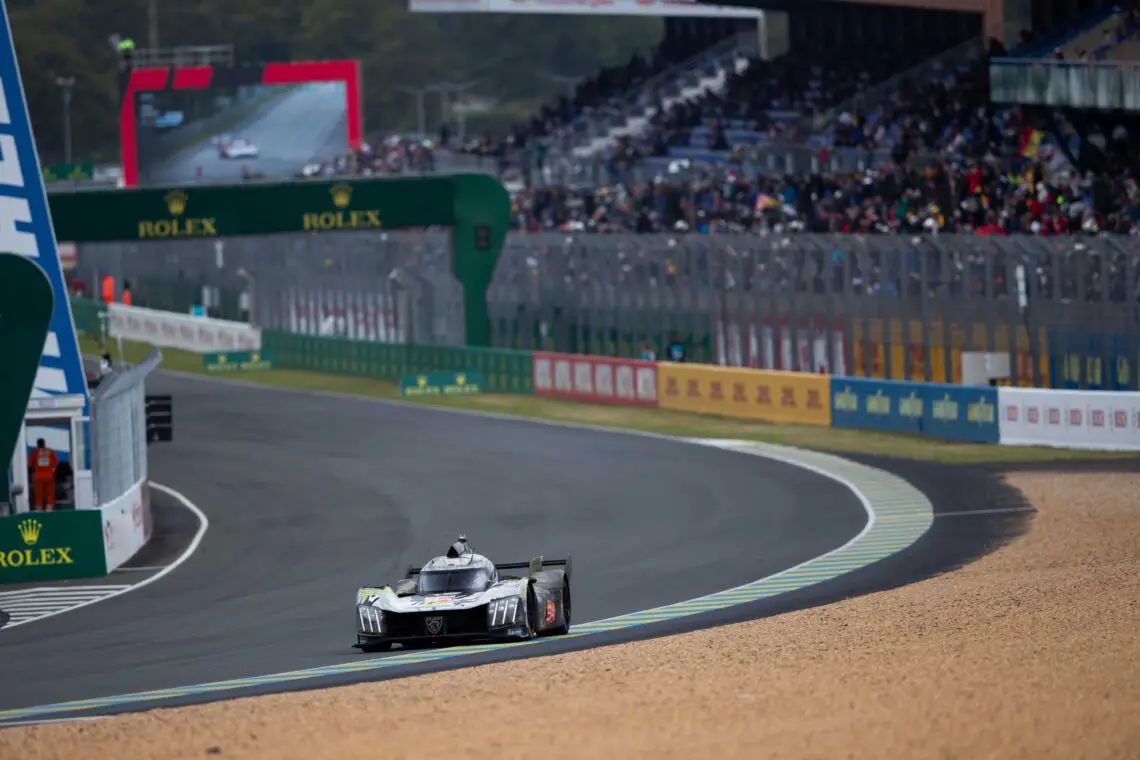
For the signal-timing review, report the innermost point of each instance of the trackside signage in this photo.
(26, 228)
(595, 379)
(126, 525)
(1105, 420)
(51, 546)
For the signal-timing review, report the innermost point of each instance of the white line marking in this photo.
(999, 511)
(143, 569)
(54, 720)
(203, 525)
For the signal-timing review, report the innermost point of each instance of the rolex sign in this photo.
(51, 546)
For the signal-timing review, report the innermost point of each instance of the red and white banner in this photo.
(1106, 420)
(595, 379)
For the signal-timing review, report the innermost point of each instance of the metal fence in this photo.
(890, 306)
(386, 286)
(118, 430)
(612, 294)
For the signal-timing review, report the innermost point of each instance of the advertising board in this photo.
(51, 546)
(26, 228)
(795, 397)
(953, 412)
(442, 384)
(126, 525)
(595, 379)
(237, 361)
(1107, 420)
(189, 333)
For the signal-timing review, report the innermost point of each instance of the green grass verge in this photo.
(653, 420)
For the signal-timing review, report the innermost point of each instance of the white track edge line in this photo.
(203, 525)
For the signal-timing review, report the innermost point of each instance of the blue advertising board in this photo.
(893, 407)
(953, 412)
(961, 413)
(1094, 361)
(26, 228)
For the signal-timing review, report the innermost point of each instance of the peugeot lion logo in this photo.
(434, 625)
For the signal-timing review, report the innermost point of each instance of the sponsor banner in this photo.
(238, 361)
(442, 384)
(596, 379)
(26, 227)
(649, 8)
(776, 344)
(960, 413)
(796, 397)
(1107, 420)
(877, 405)
(189, 333)
(126, 525)
(954, 412)
(51, 546)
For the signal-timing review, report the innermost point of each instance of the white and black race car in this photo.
(235, 147)
(463, 596)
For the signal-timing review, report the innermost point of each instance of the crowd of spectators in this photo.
(1015, 183)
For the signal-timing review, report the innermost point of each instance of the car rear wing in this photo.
(536, 565)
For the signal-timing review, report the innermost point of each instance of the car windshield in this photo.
(452, 581)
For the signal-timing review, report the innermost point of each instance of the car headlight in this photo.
(369, 619)
(504, 612)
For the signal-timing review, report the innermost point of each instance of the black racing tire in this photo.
(564, 629)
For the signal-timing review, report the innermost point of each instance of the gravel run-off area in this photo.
(1033, 651)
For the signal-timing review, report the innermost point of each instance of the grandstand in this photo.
(830, 137)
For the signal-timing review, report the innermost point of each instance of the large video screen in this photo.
(190, 125)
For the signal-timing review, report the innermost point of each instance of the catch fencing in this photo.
(1065, 309)
(118, 430)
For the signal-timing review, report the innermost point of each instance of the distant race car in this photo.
(236, 147)
(463, 596)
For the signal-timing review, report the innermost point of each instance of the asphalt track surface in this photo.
(310, 496)
(304, 126)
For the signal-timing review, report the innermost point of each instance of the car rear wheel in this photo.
(563, 629)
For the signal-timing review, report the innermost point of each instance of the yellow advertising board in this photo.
(751, 394)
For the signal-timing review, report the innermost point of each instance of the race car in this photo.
(464, 596)
(235, 147)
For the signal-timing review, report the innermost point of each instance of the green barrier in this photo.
(442, 384)
(88, 316)
(502, 370)
(52, 546)
(237, 361)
